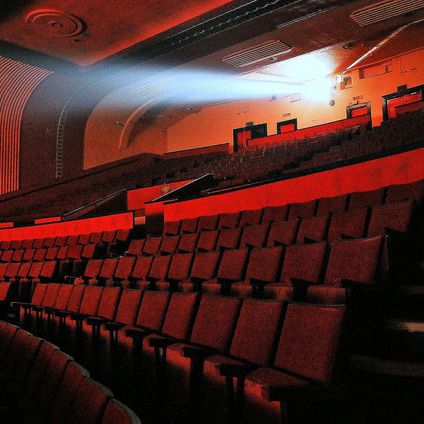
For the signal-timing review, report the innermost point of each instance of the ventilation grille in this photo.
(257, 54)
(385, 10)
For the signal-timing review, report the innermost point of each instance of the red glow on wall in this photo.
(122, 221)
(396, 169)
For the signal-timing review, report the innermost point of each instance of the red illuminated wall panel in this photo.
(18, 81)
(396, 169)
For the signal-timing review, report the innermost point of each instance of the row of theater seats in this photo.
(106, 237)
(269, 272)
(41, 384)
(348, 202)
(197, 354)
(243, 250)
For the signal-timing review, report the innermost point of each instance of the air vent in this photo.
(385, 10)
(265, 51)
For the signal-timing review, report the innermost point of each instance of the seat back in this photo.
(302, 210)
(109, 303)
(256, 331)
(128, 307)
(233, 265)
(152, 309)
(215, 322)
(180, 315)
(309, 341)
(264, 264)
(180, 266)
(304, 262)
(367, 198)
(283, 232)
(91, 299)
(116, 412)
(75, 298)
(355, 260)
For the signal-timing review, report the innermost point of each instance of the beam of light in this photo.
(307, 75)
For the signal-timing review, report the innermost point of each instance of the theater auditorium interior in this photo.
(211, 211)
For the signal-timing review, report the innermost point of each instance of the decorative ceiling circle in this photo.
(56, 22)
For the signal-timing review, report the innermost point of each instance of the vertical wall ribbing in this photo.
(17, 82)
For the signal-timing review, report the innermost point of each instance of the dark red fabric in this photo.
(256, 330)
(367, 198)
(180, 314)
(275, 213)
(302, 210)
(313, 228)
(332, 204)
(349, 224)
(152, 309)
(355, 260)
(215, 321)
(309, 341)
(232, 265)
(128, 306)
(283, 232)
(303, 262)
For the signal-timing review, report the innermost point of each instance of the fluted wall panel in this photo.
(17, 82)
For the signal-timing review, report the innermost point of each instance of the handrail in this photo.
(97, 202)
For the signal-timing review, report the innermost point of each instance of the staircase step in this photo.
(391, 367)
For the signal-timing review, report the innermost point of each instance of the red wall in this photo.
(395, 169)
(121, 221)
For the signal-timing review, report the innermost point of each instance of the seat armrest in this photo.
(137, 333)
(78, 317)
(95, 321)
(113, 326)
(194, 352)
(235, 369)
(160, 341)
(62, 314)
(38, 308)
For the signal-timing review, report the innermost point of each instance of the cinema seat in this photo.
(207, 240)
(189, 225)
(89, 403)
(92, 271)
(410, 191)
(303, 265)
(351, 264)
(250, 217)
(212, 332)
(136, 247)
(169, 244)
(36, 300)
(275, 213)
(283, 233)
(263, 268)
(231, 269)
(303, 368)
(229, 220)
(106, 273)
(254, 235)
(335, 204)
(152, 245)
(208, 223)
(313, 229)
(139, 273)
(349, 225)
(252, 346)
(149, 347)
(229, 238)
(171, 228)
(188, 243)
(123, 271)
(302, 210)
(391, 217)
(61, 302)
(205, 266)
(367, 198)
(179, 270)
(117, 413)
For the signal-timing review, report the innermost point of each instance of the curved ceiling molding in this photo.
(17, 82)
